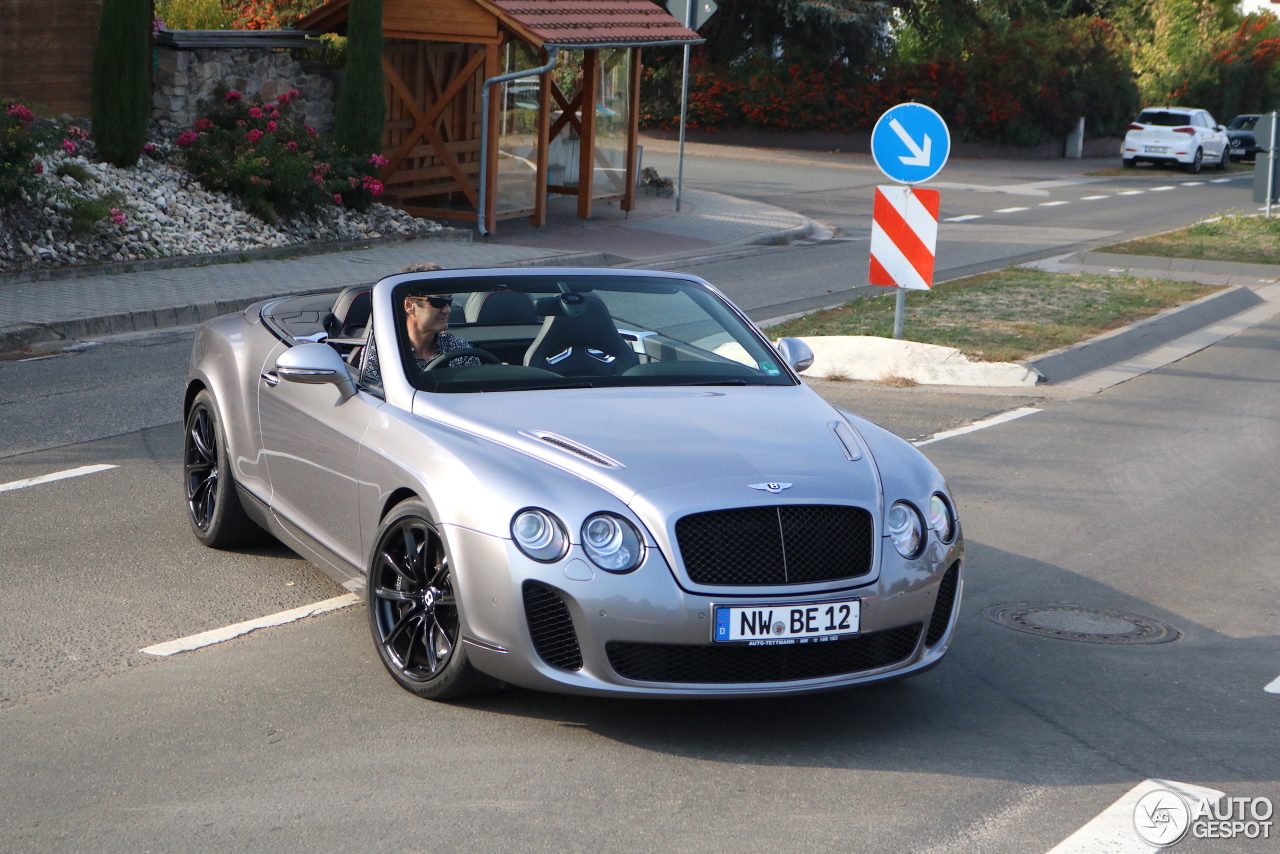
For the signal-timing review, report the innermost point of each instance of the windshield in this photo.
(1243, 123)
(536, 332)
(1163, 118)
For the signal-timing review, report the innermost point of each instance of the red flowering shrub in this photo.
(276, 165)
(19, 146)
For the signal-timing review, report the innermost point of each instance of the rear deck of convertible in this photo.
(570, 130)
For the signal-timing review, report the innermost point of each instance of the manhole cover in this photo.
(1079, 623)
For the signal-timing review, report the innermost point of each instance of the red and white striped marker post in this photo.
(904, 236)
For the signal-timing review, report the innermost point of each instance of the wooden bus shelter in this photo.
(570, 130)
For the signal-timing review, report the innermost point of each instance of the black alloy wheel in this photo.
(1194, 166)
(213, 506)
(413, 609)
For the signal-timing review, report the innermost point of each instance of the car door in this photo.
(311, 438)
(1214, 142)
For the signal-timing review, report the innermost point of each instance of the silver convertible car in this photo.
(596, 482)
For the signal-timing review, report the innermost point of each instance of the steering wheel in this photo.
(445, 358)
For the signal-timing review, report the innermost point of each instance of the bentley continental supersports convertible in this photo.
(596, 481)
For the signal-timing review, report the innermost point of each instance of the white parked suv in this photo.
(1176, 135)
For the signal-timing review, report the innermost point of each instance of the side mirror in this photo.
(795, 353)
(314, 364)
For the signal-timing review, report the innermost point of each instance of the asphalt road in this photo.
(1155, 497)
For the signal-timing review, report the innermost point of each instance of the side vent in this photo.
(551, 627)
(589, 454)
(943, 605)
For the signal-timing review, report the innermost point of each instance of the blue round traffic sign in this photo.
(910, 143)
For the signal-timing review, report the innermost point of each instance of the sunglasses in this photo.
(436, 302)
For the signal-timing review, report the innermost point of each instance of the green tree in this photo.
(120, 93)
(815, 33)
(362, 107)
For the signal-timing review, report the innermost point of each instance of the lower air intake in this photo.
(708, 664)
(551, 627)
(943, 605)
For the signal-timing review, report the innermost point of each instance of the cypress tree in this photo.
(120, 95)
(362, 108)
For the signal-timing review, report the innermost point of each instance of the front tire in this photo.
(1129, 162)
(1223, 160)
(1196, 162)
(213, 506)
(413, 609)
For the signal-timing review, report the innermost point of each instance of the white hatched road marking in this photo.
(1162, 189)
(1052, 204)
(1193, 183)
(979, 425)
(50, 478)
(1273, 687)
(1091, 198)
(226, 633)
(1112, 830)
(964, 218)
(1012, 210)
(1131, 193)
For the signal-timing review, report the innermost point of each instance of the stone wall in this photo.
(183, 78)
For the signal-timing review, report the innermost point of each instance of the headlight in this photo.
(906, 529)
(539, 535)
(942, 521)
(611, 543)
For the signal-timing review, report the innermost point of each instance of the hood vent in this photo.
(576, 448)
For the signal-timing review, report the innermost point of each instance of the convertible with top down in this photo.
(619, 486)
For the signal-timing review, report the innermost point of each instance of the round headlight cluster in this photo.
(611, 543)
(539, 535)
(906, 529)
(942, 520)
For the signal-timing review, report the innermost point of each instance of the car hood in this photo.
(668, 438)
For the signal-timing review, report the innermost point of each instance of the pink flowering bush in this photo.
(20, 171)
(259, 152)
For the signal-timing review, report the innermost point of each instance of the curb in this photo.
(1180, 265)
(1118, 345)
(778, 238)
(267, 253)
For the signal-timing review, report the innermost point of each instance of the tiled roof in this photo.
(587, 22)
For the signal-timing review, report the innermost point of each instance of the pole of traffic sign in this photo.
(1271, 166)
(899, 311)
(684, 103)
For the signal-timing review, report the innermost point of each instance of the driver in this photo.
(427, 318)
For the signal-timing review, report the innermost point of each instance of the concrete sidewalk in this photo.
(709, 223)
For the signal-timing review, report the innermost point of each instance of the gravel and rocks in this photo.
(166, 213)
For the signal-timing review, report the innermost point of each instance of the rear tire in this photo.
(414, 613)
(213, 505)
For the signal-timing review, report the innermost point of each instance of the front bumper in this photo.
(648, 610)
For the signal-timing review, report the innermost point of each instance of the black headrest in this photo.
(351, 312)
(500, 307)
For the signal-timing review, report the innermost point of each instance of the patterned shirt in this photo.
(445, 342)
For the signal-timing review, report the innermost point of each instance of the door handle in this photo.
(271, 377)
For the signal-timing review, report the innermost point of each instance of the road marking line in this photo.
(1111, 831)
(979, 425)
(226, 633)
(1131, 193)
(1193, 183)
(1162, 189)
(1273, 687)
(1052, 204)
(1091, 198)
(1220, 180)
(49, 478)
(1012, 210)
(964, 218)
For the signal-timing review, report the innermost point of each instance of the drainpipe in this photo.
(552, 51)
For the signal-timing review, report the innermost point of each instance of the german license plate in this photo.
(808, 622)
(1157, 149)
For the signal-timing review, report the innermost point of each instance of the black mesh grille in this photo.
(943, 604)
(791, 544)
(551, 627)
(646, 662)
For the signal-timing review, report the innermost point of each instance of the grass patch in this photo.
(1230, 237)
(1005, 315)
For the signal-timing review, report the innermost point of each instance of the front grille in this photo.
(645, 662)
(943, 605)
(790, 544)
(551, 627)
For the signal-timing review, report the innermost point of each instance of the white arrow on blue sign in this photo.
(910, 143)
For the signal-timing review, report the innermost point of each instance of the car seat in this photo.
(350, 314)
(578, 338)
(499, 307)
